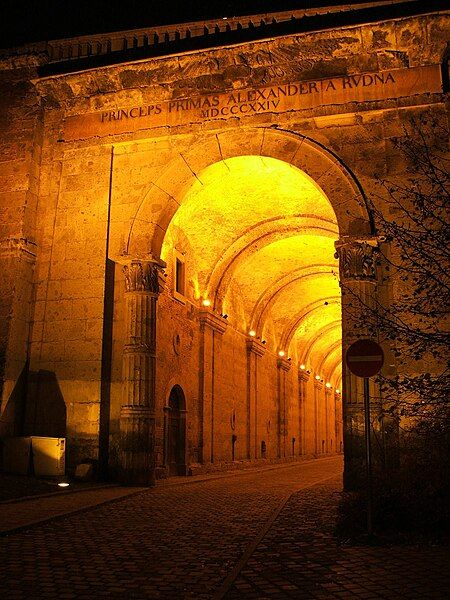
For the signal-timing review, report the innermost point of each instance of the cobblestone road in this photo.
(215, 538)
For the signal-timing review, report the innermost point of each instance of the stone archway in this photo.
(322, 172)
(148, 224)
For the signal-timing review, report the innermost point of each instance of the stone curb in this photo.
(91, 488)
(233, 473)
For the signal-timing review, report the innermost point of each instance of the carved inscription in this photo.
(243, 103)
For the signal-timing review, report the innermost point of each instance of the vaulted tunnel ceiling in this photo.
(258, 238)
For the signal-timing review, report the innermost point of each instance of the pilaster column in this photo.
(358, 280)
(327, 419)
(255, 349)
(337, 420)
(137, 414)
(318, 386)
(211, 326)
(303, 378)
(283, 365)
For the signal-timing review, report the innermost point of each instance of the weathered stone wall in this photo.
(21, 141)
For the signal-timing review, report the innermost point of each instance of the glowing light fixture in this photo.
(302, 367)
(206, 302)
(318, 377)
(328, 385)
(337, 391)
(252, 333)
(281, 353)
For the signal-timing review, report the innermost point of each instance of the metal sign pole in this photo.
(368, 455)
(365, 359)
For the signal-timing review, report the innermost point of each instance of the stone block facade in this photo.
(170, 297)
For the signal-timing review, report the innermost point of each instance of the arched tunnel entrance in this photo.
(243, 232)
(253, 245)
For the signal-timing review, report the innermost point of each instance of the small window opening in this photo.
(179, 276)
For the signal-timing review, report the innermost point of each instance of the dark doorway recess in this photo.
(176, 432)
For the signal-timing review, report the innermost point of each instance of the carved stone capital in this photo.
(255, 347)
(357, 259)
(143, 276)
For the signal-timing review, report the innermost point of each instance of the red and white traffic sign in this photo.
(365, 358)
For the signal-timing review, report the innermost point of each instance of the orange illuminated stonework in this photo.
(175, 233)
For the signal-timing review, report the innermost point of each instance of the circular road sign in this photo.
(365, 358)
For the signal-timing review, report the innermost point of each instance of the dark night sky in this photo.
(35, 20)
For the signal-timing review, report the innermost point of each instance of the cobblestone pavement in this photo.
(299, 558)
(220, 537)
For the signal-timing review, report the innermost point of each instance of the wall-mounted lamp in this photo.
(206, 302)
(302, 367)
(337, 391)
(252, 333)
(281, 353)
(328, 385)
(317, 377)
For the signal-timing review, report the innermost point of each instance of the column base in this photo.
(137, 460)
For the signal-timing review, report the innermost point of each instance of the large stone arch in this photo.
(327, 173)
(245, 246)
(270, 293)
(320, 333)
(152, 215)
(306, 311)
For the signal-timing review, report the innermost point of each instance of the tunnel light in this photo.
(337, 391)
(252, 333)
(318, 377)
(206, 302)
(302, 367)
(281, 353)
(328, 385)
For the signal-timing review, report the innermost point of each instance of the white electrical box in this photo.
(45, 454)
(48, 456)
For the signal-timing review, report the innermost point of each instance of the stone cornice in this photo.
(284, 363)
(213, 321)
(169, 39)
(303, 375)
(255, 347)
(153, 71)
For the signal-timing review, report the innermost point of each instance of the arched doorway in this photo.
(175, 433)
